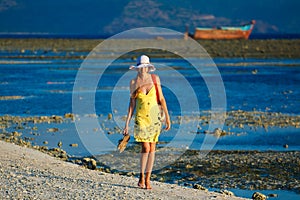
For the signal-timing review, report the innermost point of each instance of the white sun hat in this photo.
(143, 61)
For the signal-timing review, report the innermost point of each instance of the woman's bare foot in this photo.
(141, 182)
(148, 186)
(141, 185)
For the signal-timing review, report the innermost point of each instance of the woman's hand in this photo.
(125, 130)
(168, 124)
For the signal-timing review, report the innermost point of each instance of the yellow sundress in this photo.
(147, 125)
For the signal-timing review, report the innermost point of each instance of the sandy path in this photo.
(30, 174)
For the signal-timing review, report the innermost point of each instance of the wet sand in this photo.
(268, 48)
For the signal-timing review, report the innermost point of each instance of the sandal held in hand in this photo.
(123, 142)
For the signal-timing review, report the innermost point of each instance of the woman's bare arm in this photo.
(131, 107)
(163, 103)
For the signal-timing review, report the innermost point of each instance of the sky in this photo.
(112, 16)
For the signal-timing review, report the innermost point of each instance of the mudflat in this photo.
(256, 48)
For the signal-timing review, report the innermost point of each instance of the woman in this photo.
(145, 93)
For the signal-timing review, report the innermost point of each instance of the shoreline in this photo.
(127, 180)
(256, 48)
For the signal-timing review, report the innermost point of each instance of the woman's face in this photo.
(143, 70)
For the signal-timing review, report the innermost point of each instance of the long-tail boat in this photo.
(225, 32)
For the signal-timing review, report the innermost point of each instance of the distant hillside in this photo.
(176, 14)
(114, 16)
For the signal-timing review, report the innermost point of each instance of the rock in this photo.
(217, 131)
(59, 153)
(74, 145)
(16, 134)
(59, 144)
(11, 97)
(258, 196)
(57, 119)
(227, 192)
(273, 195)
(254, 71)
(188, 166)
(187, 184)
(200, 187)
(69, 116)
(52, 129)
(43, 148)
(89, 163)
(77, 161)
(117, 129)
(130, 173)
(44, 118)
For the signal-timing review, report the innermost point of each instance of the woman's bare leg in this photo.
(149, 166)
(143, 163)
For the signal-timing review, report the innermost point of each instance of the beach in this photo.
(30, 174)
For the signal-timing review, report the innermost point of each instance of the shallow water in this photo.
(281, 194)
(45, 87)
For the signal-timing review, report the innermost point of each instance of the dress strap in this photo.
(156, 90)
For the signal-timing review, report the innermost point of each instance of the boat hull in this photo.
(225, 33)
